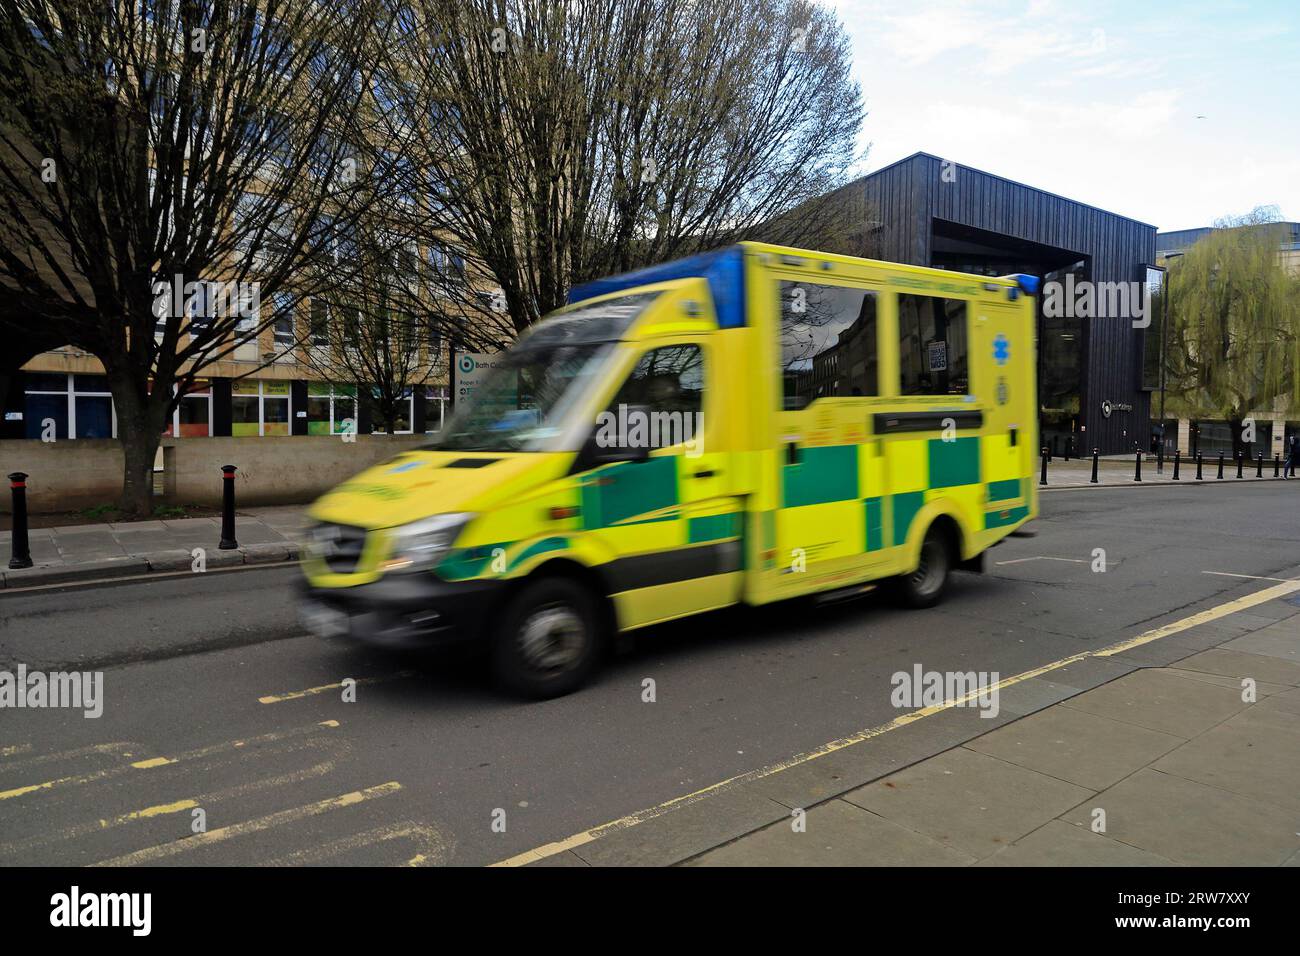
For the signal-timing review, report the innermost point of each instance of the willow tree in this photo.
(568, 140)
(1234, 322)
(155, 152)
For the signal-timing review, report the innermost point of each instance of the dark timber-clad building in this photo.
(927, 211)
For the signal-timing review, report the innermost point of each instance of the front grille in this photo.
(339, 545)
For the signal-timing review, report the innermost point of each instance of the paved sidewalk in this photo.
(88, 552)
(1118, 471)
(1147, 757)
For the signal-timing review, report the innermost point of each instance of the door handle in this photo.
(702, 473)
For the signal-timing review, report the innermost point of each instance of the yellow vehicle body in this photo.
(771, 501)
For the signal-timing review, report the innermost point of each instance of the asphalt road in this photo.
(204, 681)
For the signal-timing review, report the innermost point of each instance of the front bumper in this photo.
(400, 610)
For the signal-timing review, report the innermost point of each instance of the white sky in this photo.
(1098, 101)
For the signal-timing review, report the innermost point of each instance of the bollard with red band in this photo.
(228, 542)
(20, 547)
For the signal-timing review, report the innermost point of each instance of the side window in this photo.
(828, 342)
(662, 401)
(932, 345)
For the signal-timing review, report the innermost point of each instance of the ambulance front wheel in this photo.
(925, 586)
(547, 639)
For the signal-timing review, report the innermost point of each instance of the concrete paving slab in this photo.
(120, 527)
(1201, 637)
(1241, 756)
(1077, 747)
(684, 832)
(814, 781)
(1090, 672)
(1058, 843)
(1238, 664)
(1287, 701)
(1279, 610)
(969, 801)
(1156, 654)
(838, 834)
(1192, 823)
(1262, 688)
(1278, 640)
(1030, 696)
(1272, 714)
(1162, 700)
(191, 525)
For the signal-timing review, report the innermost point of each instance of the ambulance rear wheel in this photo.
(925, 586)
(546, 641)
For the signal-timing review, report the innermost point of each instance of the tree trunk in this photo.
(139, 448)
(140, 420)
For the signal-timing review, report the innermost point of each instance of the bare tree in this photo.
(568, 140)
(170, 164)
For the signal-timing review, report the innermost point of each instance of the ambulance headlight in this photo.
(419, 545)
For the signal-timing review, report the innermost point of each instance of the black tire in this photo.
(926, 586)
(547, 640)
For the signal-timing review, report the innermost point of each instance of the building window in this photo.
(828, 342)
(62, 406)
(932, 342)
(283, 304)
(331, 409)
(192, 417)
(259, 408)
(320, 322)
(405, 413)
(435, 397)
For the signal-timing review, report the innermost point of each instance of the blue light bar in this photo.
(1028, 284)
(723, 269)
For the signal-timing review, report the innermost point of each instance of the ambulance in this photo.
(743, 426)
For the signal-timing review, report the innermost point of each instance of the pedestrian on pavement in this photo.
(1292, 451)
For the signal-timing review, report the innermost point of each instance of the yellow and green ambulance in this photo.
(742, 426)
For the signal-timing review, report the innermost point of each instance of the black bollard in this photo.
(1199, 462)
(1241, 460)
(1220, 464)
(1178, 458)
(1094, 465)
(20, 547)
(1259, 465)
(1042, 478)
(1277, 466)
(228, 542)
(1137, 466)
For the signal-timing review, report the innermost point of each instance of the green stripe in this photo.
(828, 473)
(875, 525)
(539, 547)
(1000, 519)
(955, 462)
(905, 508)
(465, 563)
(628, 489)
(713, 527)
(1002, 490)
